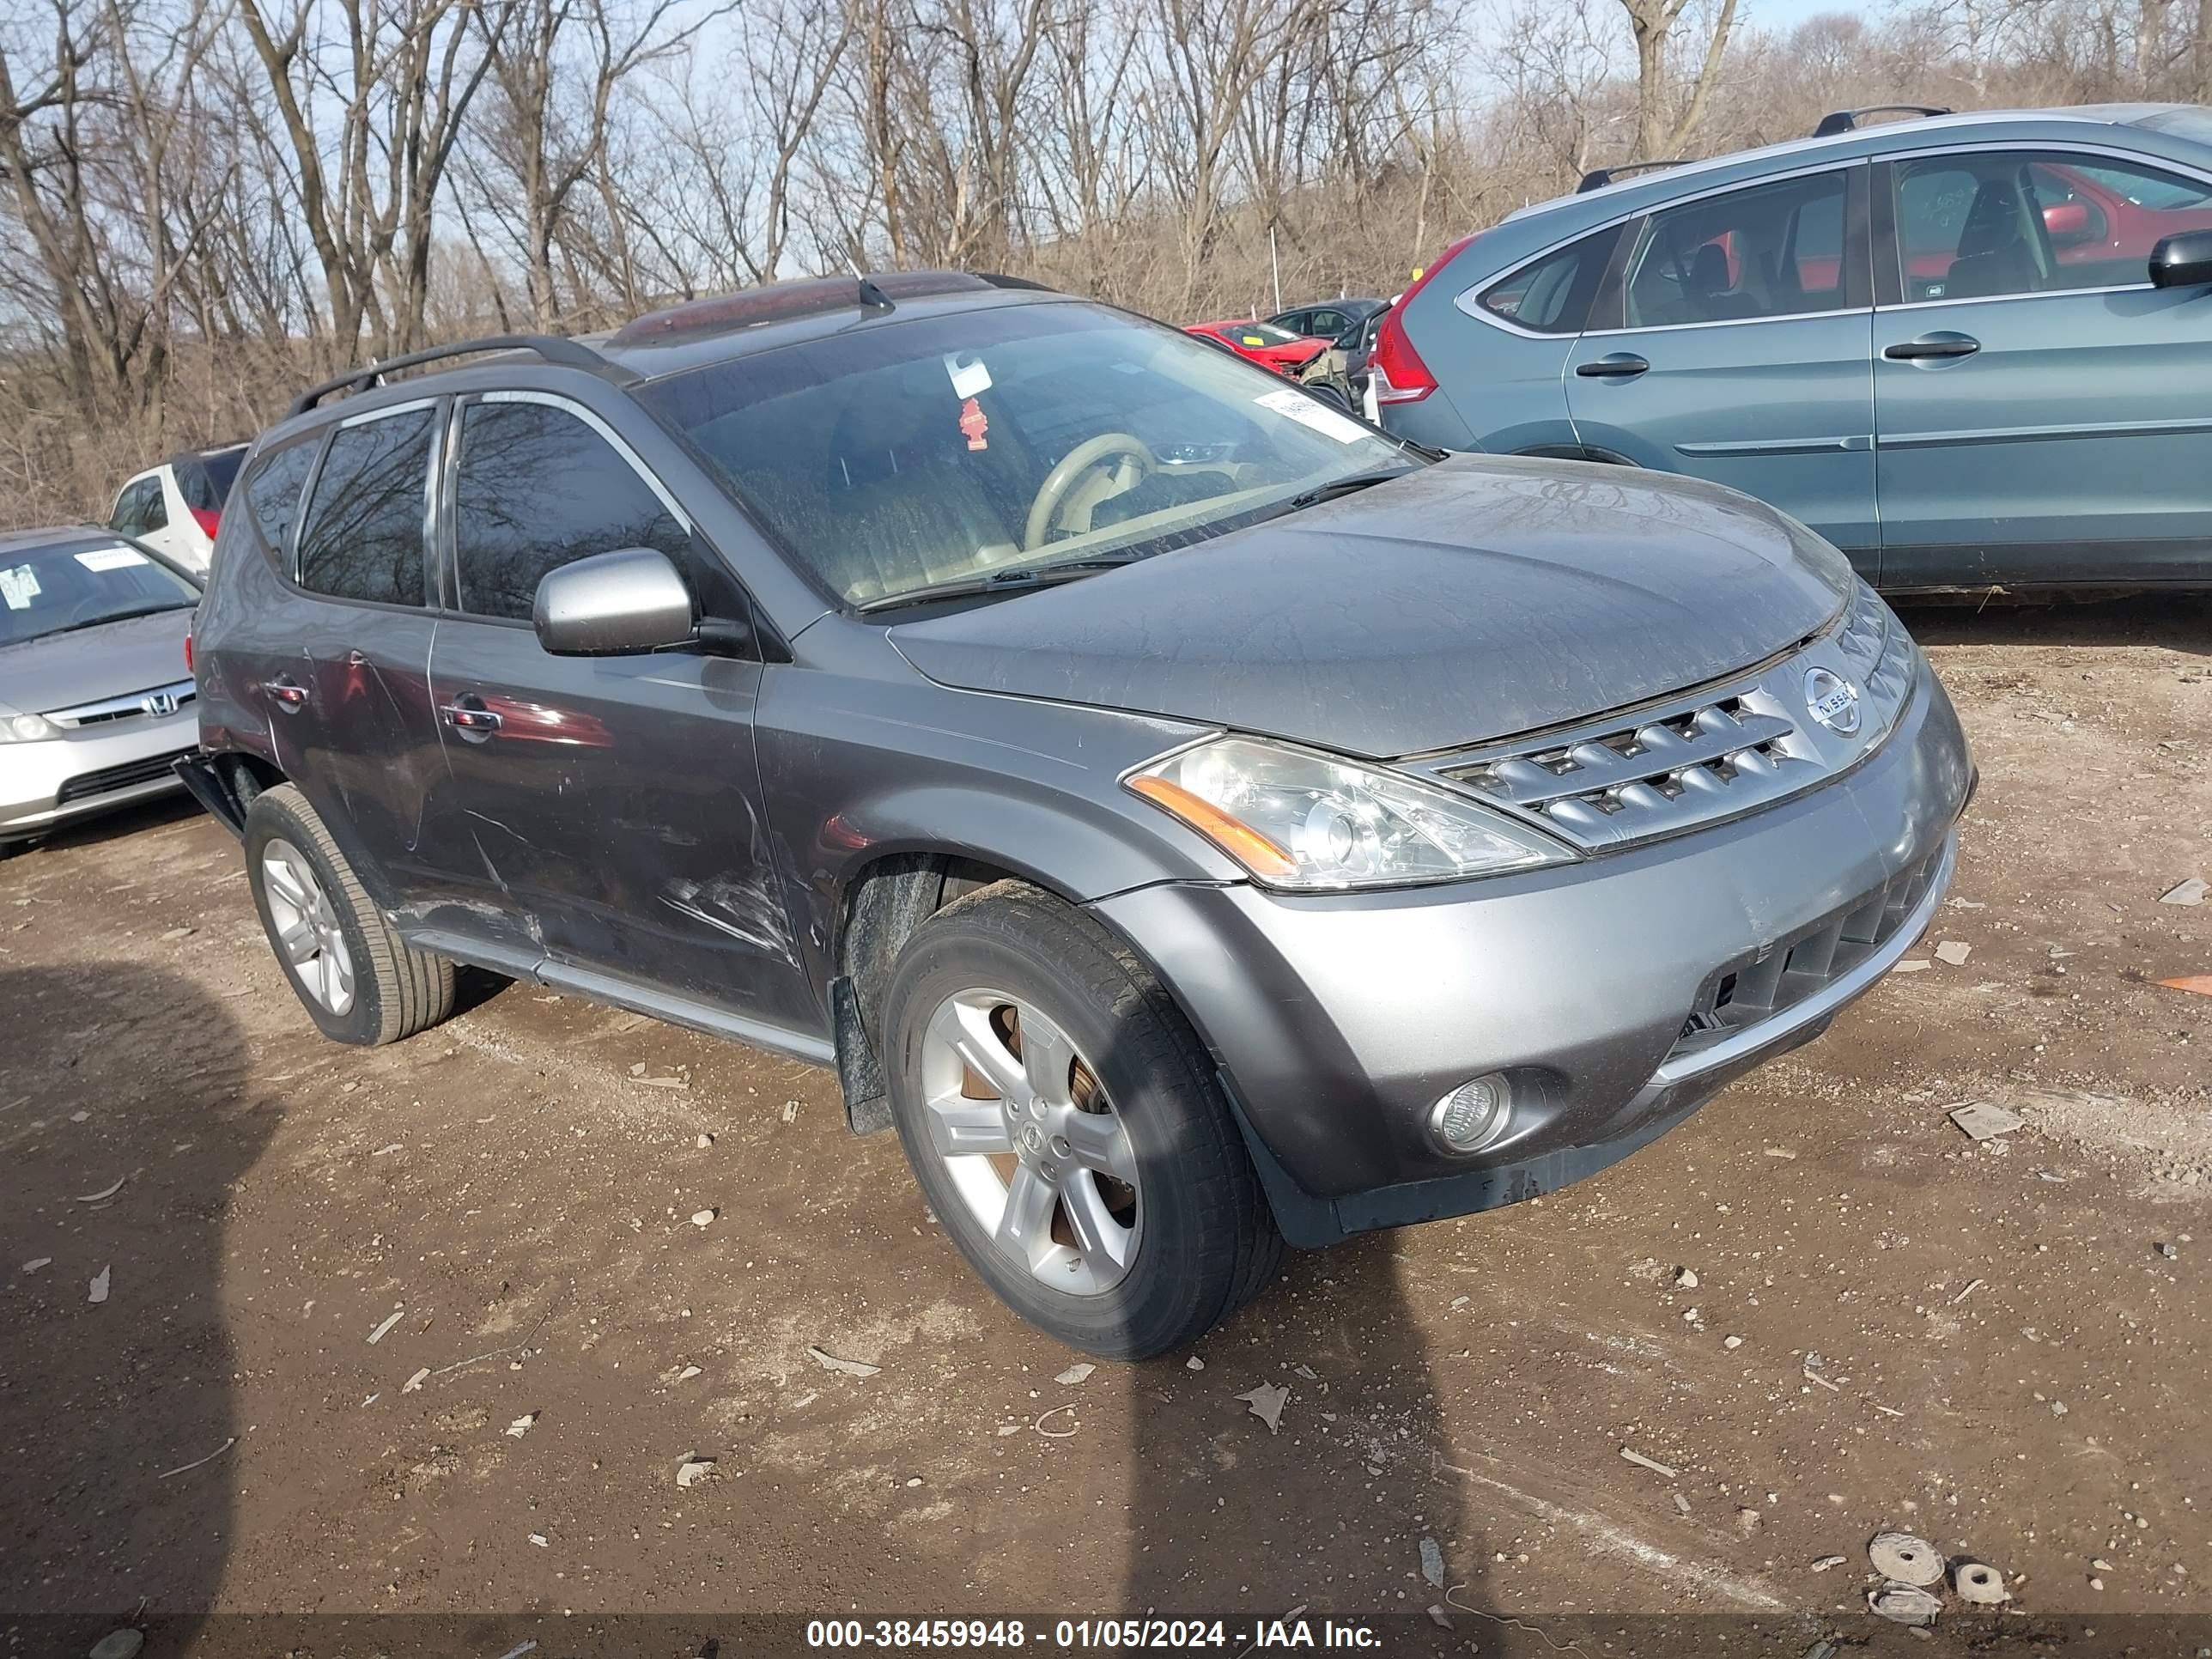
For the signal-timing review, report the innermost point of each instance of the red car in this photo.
(1263, 343)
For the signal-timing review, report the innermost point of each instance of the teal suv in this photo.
(1970, 350)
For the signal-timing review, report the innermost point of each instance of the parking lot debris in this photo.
(385, 1329)
(705, 1140)
(1266, 1402)
(37, 1262)
(1731, 1343)
(1632, 1455)
(2102, 1564)
(186, 1469)
(791, 1111)
(1681, 1504)
(1074, 1374)
(687, 1373)
(1827, 1563)
(1822, 1649)
(1439, 1617)
(2191, 891)
(1955, 951)
(541, 1540)
(704, 1217)
(662, 1082)
(1055, 1434)
(1984, 1586)
(693, 1470)
(1684, 1279)
(1194, 1364)
(2194, 984)
(1980, 1120)
(1972, 1285)
(1432, 1562)
(414, 1384)
(1904, 1604)
(521, 1426)
(104, 1193)
(101, 1281)
(830, 1362)
(2171, 1252)
(118, 1644)
(1780, 1151)
(1911, 965)
(1907, 1559)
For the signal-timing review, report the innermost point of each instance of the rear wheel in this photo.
(357, 979)
(1064, 1122)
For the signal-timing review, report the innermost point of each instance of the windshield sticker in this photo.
(1311, 412)
(18, 586)
(970, 378)
(110, 558)
(1256, 340)
(974, 425)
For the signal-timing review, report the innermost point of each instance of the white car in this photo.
(174, 507)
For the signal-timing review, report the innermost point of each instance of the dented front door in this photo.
(604, 810)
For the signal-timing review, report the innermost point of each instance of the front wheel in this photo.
(1065, 1124)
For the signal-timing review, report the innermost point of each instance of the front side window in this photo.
(363, 535)
(63, 586)
(538, 488)
(1982, 224)
(1011, 440)
(1552, 294)
(1771, 250)
(129, 517)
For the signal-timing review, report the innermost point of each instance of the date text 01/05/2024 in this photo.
(896, 1634)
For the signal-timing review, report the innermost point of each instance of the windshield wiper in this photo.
(1344, 486)
(120, 616)
(1014, 578)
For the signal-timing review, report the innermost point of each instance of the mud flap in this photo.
(859, 1074)
(208, 789)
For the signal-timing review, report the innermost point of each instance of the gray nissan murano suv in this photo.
(1192, 819)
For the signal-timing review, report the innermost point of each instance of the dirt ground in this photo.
(1889, 1326)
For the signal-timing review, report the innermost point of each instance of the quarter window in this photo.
(363, 535)
(272, 492)
(1773, 250)
(1986, 223)
(538, 488)
(1552, 295)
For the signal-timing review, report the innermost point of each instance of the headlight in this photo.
(28, 728)
(1309, 822)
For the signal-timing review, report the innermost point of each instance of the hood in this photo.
(64, 670)
(1473, 599)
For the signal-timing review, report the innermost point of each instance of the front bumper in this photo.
(1337, 1021)
(57, 780)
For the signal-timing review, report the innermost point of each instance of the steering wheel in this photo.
(1134, 464)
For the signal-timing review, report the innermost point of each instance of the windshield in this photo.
(911, 454)
(1259, 334)
(81, 583)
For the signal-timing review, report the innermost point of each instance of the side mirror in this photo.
(2066, 221)
(2182, 260)
(632, 600)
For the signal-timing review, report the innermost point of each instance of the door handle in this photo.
(1938, 347)
(468, 716)
(1613, 365)
(287, 693)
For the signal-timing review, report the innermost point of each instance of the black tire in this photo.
(1207, 1241)
(397, 990)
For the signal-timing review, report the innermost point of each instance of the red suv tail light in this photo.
(188, 651)
(1395, 369)
(207, 518)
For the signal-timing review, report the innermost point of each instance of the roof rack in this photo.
(1847, 120)
(1599, 178)
(551, 347)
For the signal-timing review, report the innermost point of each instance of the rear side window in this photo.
(538, 488)
(130, 515)
(1553, 295)
(1771, 250)
(272, 492)
(363, 535)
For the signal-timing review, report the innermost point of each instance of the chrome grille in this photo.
(133, 705)
(1733, 748)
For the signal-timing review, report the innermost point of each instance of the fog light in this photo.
(1474, 1115)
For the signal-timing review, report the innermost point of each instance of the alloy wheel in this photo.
(306, 926)
(1031, 1141)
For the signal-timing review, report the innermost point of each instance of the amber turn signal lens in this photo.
(1240, 841)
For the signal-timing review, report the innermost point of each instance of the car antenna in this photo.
(872, 297)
